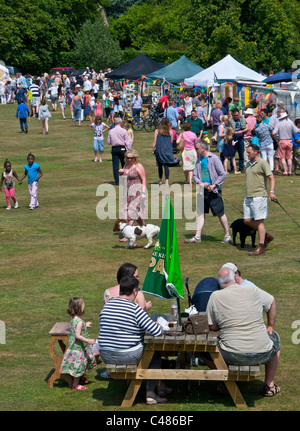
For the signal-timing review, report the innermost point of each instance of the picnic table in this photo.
(187, 345)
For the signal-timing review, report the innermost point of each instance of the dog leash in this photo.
(227, 200)
(276, 202)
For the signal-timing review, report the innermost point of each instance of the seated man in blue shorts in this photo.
(237, 312)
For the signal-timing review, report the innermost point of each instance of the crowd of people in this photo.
(264, 145)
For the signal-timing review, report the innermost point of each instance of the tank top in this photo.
(9, 182)
(77, 104)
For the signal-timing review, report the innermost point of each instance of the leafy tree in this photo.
(37, 34)
(259, 33)
(94, 46)
(153, 28)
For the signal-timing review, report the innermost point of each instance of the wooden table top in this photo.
(61, 328)
(179, 338)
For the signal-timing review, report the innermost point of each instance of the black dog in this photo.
(238, 226)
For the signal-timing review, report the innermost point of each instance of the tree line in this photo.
(36, 35)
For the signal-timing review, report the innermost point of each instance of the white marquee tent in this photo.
(227, 69)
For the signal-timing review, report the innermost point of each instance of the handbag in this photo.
(180, 146)
(196, 324)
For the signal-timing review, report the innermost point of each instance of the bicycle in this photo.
(136, 125)
(153, 120)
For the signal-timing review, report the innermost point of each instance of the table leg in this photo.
(63, 341)
(135, 385)
(231, 386)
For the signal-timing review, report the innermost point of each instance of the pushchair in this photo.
(202, 293)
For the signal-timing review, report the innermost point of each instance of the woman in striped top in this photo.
(122, 328)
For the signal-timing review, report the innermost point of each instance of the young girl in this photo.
(62, 102)
(44, 115)
(79, 355)
(9, 184)
(99, 128)
(34, 173)
(98, 110)
(229, 149)
(70, 96)
(127, 126)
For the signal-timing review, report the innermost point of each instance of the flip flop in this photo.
(155, 399)
(79, 388)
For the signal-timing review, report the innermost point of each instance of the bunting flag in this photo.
(295, 104)
(239, 87)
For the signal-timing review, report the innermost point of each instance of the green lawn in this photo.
(63, 250)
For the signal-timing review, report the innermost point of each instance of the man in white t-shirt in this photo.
(237, 312)
(87, 86)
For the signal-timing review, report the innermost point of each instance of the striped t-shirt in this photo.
(123, 325)
(35, 90)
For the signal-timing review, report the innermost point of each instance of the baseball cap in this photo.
(230, 266)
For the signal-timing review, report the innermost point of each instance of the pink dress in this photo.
(133, 207)
(98, 109)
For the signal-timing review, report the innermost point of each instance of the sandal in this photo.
(79, 387)
(270, 391)
(83, 380)
(155, 399)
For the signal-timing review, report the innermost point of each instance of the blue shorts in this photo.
(77, 114)
(98, 145)
(252, 358)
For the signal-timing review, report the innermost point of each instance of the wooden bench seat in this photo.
(121, 371)
(241, 372)
(244, 372)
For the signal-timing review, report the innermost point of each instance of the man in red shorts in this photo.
(285, 130)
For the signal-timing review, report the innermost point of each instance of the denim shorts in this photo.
(256, 208)
(232, 358)
(77, 114)
(98, 145)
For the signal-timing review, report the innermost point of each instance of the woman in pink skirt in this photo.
(189, 155)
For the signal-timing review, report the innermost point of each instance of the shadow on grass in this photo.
(192, 395)
(205, 238)
(248, 247)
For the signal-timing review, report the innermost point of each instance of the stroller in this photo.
(202, 293)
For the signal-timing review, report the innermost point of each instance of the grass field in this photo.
(63, 250)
